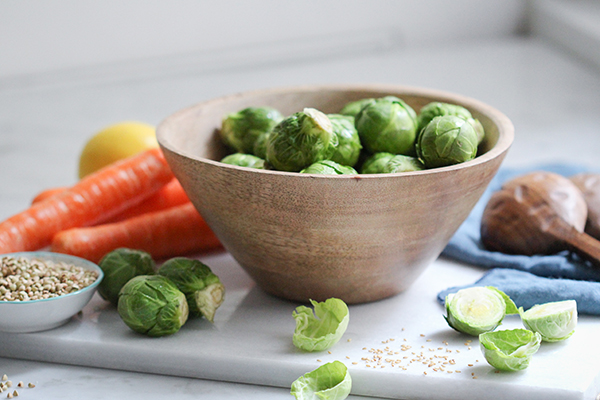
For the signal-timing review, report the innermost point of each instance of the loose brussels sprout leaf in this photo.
(240, 130)
(119, 266)
(301, 140)
(152, 305)
(387, 125)
(349, 146)
(202, 288)
(376, 163)
(351, 109)
(476, 310)
(244, 160)
(330, 381)
(324, 328)
(509, 350)
(445, 141)
(329, 167)
(554, 321)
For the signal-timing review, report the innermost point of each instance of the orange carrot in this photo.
(172, 194)
(98, 196)
(48, 193)
(172, 232)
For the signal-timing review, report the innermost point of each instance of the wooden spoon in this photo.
(538, 213)
(589, 184)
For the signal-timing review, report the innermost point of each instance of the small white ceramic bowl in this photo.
(41, 315)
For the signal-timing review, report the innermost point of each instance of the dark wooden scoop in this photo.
(538, 213)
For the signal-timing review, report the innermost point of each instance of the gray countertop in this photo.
(551, 98)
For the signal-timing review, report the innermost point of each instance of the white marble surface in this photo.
(551, 98)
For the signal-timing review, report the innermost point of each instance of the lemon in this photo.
(115, 142)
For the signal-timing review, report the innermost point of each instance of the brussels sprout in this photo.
(324, 328)
(352, 108)
(239, 130)
(477, 309)
(349, 146)
(401, 163)
(152, 304)
(244, 160)
(328, 167)
(260, 145)
(330, 381)
(445, 141)
(438, 109)
(554, 321)
(119, 266)
(202, 288)
(509, 350)
(301, 140)
(387, 125)
(376, 163)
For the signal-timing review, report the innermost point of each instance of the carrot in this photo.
(98, 196)
(172, 194)
(175, 231)
(45, 194)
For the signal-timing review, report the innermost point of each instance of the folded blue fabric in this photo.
(553, 272)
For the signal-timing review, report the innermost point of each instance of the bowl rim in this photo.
(504, 124)
(45, 255)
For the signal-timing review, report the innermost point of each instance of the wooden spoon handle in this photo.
(579, 242)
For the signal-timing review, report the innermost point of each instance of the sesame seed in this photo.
(31, 385)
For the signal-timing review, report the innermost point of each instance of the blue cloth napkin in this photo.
(535, 279)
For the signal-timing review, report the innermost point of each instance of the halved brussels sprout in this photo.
(330, 381)
(349, 146)
(476, 310)
(509, 350)
(387, 125)
(554, 321)
(446, 140)
(438, 109)
(301, 140)
(244, 160)
(322, 329)
(202, 288)
(240, 130)
(152, 305)
(119, 266)
(329, 167)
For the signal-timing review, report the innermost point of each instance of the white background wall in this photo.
(42, 35)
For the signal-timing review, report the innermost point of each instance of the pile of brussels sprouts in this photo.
(159, 303)
(367, 136)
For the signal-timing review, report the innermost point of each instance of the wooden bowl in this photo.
(359, 238)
